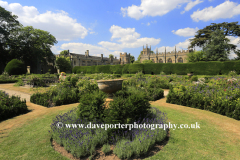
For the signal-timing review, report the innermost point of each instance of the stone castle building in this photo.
(87, 60)
(165, 57)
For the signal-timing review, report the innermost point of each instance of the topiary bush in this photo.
(91, 106)
(127, 107)
(15, 67)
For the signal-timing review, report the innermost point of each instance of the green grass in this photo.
(208, 142)
(31, 141)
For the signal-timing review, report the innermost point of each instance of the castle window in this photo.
(180, 60)
(169, 60)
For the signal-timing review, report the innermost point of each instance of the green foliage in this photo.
(220, 95)
(132, 59)
(110, 55)
(64, 52)
(106, 148)
(74, 81)
(204, 35)
(9, 24)
(103, 69)
(32, 46)
(162, 73)
(11, 106)
(147, 61)
(134, 68)
(217, 49)
(19, 83)
(62, 94)
(127, 107)
(116, 69)
(15, 67)
(194, 78)
(91, 106)
(63, 63)
(136, 62)
(195, 56)
(232, 73)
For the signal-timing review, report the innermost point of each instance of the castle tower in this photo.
(146, 51)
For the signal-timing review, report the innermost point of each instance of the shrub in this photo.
(127, 107)
(19, 83)
(74, 81)
(15, 67)
(106, 148)
(91, 106)
(194, 78)
(11, 106)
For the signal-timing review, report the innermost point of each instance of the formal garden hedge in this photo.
(11, 106)
(198, 68)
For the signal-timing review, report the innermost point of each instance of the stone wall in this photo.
(165, 57)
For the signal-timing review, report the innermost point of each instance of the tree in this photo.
(32, 46)
(196, 56)
(204, 35)
(110, 55)
(8, 24)
(217, 48)
(63, 63)
(132, 59)
(64, 52)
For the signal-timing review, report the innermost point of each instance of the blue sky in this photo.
(114, 26)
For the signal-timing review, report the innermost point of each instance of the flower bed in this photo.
(62, 94)
(82, 142)
(220, 95)
(11, 106)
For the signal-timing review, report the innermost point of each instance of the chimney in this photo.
(101, 56)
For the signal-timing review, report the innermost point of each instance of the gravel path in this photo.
(17, 93)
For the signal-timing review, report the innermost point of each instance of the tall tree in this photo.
(204, 35)
(196, 56)
(8, 24)
(217, 49)
(33, 45)
(64, 52)
(132, 58)
(64, 63)
(110, 55)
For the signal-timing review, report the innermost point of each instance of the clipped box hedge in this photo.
(11, 106)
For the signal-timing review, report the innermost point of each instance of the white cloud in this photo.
(225, 10)
(186, 32)
(151, 8)
(233, 40)
(55, 50)
(149, 23)
(59, 24)
(190, 5)
(125, 34)
(80, 48)
(127, 37)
